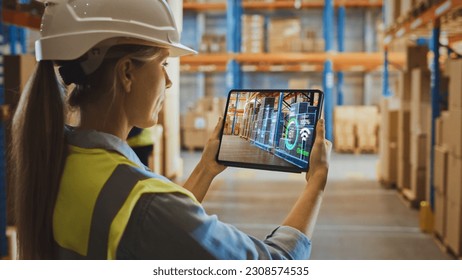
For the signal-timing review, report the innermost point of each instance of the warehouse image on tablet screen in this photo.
(270, 128)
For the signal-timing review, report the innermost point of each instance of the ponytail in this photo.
(37, 155)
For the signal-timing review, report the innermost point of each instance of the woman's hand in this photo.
(320, 154)
(209, 155)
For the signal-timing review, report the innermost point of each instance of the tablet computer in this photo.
(270, 129)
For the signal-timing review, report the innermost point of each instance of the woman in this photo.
(81, 193)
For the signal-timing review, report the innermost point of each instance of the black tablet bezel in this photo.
(263, 166)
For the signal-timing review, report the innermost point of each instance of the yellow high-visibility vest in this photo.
(142, 139)
(98, 191)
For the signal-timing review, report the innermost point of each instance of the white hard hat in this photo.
(70, 28)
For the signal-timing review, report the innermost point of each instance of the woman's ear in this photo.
(125, 73)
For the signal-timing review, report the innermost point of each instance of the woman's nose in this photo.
(168, 82)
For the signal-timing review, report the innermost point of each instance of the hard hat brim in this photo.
(50, 48)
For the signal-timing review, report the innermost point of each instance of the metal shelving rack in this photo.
(3, 242)
(431, 16)
(235, 63)
(10, 35)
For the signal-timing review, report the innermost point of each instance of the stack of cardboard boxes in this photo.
(284, 35)
(367, 124)
(198, 124)
(448, 165)
(253, 34)
(388, 146)
(355, 128)
(344, 129)
(414, 126)
(213, 43)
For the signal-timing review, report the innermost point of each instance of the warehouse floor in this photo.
(359, 219)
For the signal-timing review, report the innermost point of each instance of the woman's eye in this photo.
(165, 64)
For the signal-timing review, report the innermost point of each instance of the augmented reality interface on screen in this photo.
(270, 128)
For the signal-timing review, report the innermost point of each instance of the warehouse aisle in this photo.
(359, 219)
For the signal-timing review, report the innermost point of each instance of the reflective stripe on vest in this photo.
(98, 192)
(142, 139)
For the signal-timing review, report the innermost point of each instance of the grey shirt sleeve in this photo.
(172, 226)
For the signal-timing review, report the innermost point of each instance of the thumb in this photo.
(320, 130)
(217, 130)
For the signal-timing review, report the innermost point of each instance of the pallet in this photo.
(366, 150)
(387, 185)
(444, 247)
(192, 149)
(409, 199)
(345, 149)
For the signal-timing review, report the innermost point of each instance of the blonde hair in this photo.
(39, 148)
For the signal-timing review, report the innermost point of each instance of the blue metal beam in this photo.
(233, 21)
(435, 97)
(328, 24)
(328, 73)
(13, 38)
(385, 86)
(341, 48)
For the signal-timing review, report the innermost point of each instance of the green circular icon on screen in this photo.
(291, 146)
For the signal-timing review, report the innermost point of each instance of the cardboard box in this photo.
(418, 150)
(454, 181)
(390, 122)
(443, 129)
(404, 175)
(195, 120)
(440, 214)
(420, 100)
(418, 183)
(454, 130)
(416, 57)
(455, 84)
(194, 138)
(438, 132)
(17, 70)
(404, 135)
(440, 169)
(453, 229)
(281, 34)
(404, 90)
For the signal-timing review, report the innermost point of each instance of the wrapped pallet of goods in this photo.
(344, 130)
(355, 129)
(367, 121)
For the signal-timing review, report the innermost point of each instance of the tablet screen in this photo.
(270, 129)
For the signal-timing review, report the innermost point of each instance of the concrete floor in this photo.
(358, 220)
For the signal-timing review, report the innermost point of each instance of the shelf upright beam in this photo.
(385, 87)
(236, 105)
(435, 98)
(328, 73)
(278, 118)
(3, 243)
(233, 21)
(341, 48)
(200, 27)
